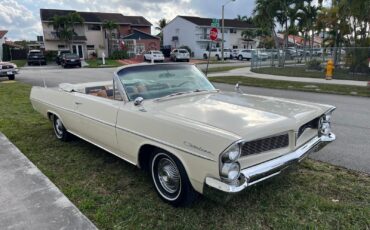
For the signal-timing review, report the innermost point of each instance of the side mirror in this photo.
(138, 101)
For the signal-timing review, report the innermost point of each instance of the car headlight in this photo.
(230, 171)
(229, 165)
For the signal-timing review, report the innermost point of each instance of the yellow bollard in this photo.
(329, 70)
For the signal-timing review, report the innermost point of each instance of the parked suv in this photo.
(36, 57)
(216, 52)
(58, 59)
(179, 55)
(70, 60)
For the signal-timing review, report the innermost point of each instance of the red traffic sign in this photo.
(213, 34)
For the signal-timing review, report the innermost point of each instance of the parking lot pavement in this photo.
(351, 119)
(29, 200)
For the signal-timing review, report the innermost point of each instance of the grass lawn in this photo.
(221, 69)
(117, 195)
(19, 63)
(301, 72)
(291, 85)
(99, 64)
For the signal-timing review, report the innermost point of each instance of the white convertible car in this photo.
(192, 138)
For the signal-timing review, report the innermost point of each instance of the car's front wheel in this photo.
(170, 179)
(60, 131)
(11, 77)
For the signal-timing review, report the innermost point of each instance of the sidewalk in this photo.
(29, 200)
(246, 72)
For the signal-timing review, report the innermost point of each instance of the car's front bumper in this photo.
(255, 174)
(8, 72)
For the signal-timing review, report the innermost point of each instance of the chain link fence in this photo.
(350, 62)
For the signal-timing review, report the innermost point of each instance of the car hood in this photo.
(7, 63)
(240, 114)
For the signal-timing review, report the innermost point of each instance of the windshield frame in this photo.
(126, 97)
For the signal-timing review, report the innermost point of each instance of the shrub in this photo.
(314, 64)
(50, 55)
(119, 54)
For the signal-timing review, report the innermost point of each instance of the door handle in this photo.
(78, 103)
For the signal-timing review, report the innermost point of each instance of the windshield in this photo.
(155, 81)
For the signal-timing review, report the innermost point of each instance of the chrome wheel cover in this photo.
(58, 127)
(168, 175)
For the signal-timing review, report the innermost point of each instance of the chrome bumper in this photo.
(265, 170)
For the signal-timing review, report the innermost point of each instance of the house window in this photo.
(235, 47)
(94, 27)
(114, 35)
(61, 46)
(90, 47)
(177, 31)
(233, 31)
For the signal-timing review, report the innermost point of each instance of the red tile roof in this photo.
(2, 33)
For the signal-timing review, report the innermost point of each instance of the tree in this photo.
(161, 24)
(249, 35)
(74, 19)
(241, 18)
(264, 17)
(109, 26)
(64, 26)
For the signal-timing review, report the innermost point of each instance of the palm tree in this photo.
(241, 18)
(264, 16)
(109, 26)
(74, 19)
(161, 24)
(64, 26)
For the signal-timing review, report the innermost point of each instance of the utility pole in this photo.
(223, 28)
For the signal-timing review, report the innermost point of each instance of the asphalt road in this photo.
(351, 119)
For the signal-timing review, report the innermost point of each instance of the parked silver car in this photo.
(180, 55)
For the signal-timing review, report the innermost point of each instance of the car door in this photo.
(98, 119)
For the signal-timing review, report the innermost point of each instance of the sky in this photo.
(22, 18)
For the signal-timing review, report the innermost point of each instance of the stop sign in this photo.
(213, 34)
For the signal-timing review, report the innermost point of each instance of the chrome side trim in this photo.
(265, 170)
(163, 143)
(105, 149)
(129, 131)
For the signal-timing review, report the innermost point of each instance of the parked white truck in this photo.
(216, 53)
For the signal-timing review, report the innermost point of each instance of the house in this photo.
(2, 41)
(133, 33)
(194, 32)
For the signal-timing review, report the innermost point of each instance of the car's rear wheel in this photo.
(170, 179)
(205, 56)
(11, 77)
(218, 57)
(240, 57)
(60, 131)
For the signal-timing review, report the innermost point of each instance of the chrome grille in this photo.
(7, 67)
(265, 144)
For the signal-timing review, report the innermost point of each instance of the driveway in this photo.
(351, 119)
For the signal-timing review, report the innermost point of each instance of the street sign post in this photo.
(213, 34)
(215, 22)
